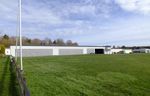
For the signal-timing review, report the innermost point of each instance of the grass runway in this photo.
(89, 75)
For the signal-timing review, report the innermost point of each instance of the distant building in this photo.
(121, 51)
(29, 51)
(141, 50)
(116, 50)
(127, 51)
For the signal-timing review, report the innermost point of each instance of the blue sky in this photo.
(89, 22)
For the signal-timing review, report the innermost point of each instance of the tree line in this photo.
(7, 41)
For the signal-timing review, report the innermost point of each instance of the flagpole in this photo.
(16, 52)
(17, 33)
(20, 33)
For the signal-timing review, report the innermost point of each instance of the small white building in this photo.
(29, 51)
(127, 51)
(116, 50)
(7, 51)
(141, 50)
(119, 50)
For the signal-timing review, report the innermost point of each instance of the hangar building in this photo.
(30, 51)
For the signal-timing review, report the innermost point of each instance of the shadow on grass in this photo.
(8, 77)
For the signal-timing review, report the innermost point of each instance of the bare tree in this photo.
(7, 41)
(75, 44)
(54, 42)
(69, 43)
(48, 41)
(60, 42)
(36, 42)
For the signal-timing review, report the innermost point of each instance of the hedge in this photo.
(2, 49)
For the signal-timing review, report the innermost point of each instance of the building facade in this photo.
(123, 51)
(31, 51)
(141, 50)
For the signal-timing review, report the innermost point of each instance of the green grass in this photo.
(8, 84)
(89, 75)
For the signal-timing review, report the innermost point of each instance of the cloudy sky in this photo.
(89, 22)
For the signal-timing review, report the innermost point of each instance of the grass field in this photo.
(8, 84)
(89, 75)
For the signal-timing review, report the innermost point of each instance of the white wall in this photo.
(57, 48)
(115, 51)
(147, 50)
(127, 51)
(108, 50)
(142, 50)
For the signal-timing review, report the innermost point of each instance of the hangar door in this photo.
(35, 52)
(99, 51)
(70, 51)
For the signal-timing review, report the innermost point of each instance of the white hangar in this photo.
(29, 51)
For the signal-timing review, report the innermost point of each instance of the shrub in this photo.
(2, 49)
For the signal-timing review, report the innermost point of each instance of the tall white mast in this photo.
(20, 33)
(17, 32)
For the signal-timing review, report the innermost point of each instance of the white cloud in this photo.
(8, 10)
(81, 20)
(83, 9)
(39, 15)
(128, 32)
(140, 6)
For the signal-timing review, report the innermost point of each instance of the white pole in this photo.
(20, 31)
(16, 54)
(17, 31)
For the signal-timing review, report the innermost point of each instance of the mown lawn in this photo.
(8, 82)
(89, 75)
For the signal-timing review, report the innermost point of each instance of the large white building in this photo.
(29, 51)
